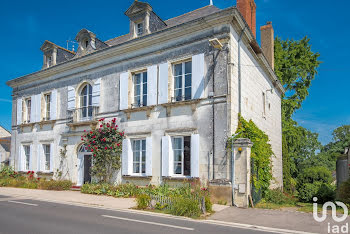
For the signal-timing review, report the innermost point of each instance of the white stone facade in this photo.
(108, 69)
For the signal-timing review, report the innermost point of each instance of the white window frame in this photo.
(139, 29)
(46, 162)
(182, 156)
(141, 84)
(183, 79)
(49, 61)
(140, 162)
(26, 159)
(47, 107)
(27, 110)
(88, 106)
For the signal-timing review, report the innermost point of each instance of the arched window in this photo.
(86, 102)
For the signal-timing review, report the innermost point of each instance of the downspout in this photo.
(240, 73)
(213, 112)
(239, 111)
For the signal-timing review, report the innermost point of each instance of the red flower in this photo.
(108, 125)
(118, 144)
(95, 147)
(92, 150)
(89, 145)
(84, 130)
(111, 147)
(106, 148)
(94, 155)
(91, 132)
(102, 119)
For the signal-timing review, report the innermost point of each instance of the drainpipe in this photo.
(213, 112)
(240, 73)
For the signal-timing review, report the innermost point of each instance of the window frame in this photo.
(85, 106)
(47, 107)
(183, 80)
(141, 84)
(26, 159)
(182, 174)
(26, 111)
(140, 162)
(45, 156)
(139, 30)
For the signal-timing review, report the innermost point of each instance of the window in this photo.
(182, 81)
(86, 43)
(26, 157)
(86, 102)
(139, 156)
(47, 99)
(27, 110)
(47, 155)
(140, 89)
(139, 29)
(49, 61)
(264, 103)
(182, 155)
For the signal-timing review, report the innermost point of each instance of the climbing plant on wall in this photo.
(105, 143)
(261, 153)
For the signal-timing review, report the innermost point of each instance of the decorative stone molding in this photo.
(148, 110)
(47, 122)
(92, 124)
(170, 105)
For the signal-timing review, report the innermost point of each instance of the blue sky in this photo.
(25, 25)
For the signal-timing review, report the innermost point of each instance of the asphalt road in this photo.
(32, 216)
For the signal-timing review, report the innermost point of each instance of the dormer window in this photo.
(86, 43)
(139, 29)
(49, 61)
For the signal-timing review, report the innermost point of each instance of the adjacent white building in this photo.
(176, 88)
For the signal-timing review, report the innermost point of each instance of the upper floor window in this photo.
(49, 61)
(27, 110)
(86, 102)
(86, 43)
(140, 89)
(47, 102)
(182, 155)
(182, 81)
(139, 29)
(139, 156)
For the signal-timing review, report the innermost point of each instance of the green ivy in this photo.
(261, 153)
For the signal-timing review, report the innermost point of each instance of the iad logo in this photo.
(332, 228)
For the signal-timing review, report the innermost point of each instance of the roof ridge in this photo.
(60, 47)
(116, 37)
(188, 12)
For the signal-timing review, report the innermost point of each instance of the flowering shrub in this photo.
(105, 143)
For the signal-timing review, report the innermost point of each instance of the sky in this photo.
(25, 25)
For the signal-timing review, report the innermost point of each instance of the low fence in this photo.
(167, 202)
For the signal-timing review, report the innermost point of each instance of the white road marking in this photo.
(24, 203)
(152, 223)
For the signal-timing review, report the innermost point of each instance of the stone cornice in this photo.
(71, 67)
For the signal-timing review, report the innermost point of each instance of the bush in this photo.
(208, 204)
(344, 192)
(143, 201)
(185, 207)
(315, 174)
(307, 191)
(276, 196)
(57, 185)
(325, 193)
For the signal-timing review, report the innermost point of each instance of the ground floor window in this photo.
(26, 157)
(182, 155)
(139, 156)
(47, 156)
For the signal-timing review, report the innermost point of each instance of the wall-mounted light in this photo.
(240, 149)
(216, 43)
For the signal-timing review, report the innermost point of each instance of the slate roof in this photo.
(6, 143)
(201, 12)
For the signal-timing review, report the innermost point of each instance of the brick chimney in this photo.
(268, 43)
(248, 10)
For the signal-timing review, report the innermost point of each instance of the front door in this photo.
(87, 167)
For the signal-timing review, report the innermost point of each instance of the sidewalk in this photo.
(69, 197)
(290, 220)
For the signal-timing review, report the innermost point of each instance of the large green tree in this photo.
(296, 66)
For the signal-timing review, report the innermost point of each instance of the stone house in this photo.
(175, 86)
(5, 146)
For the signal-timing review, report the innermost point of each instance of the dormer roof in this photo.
(47, 45)
(138, 7)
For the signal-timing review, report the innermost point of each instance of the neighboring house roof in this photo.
(198, 13)
(4, 132)
(5, 143)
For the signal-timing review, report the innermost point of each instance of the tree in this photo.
(296, 66)
(105, 143)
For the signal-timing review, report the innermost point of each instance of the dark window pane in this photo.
(145, 77)
(188, 80)
(178, 82)
(188, 94)
(188, 67)
(137, 79)
(90, 89)
(177, 168)
(137, 90)
(144, 101)
(144, 88)
(143, 168)
(178, 94)
(187, 156)
(178, 69)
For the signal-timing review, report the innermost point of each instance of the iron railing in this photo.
(83, 114)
